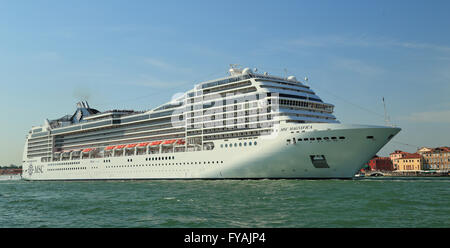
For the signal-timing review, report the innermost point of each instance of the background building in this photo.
(410, 162)
(397, 154)
(436, 159)
(380, 164)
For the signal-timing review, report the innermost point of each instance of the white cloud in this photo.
(429, 117)
(357, 66)
(149, 81)
(158, 63)
(362, 41)
(162, 65)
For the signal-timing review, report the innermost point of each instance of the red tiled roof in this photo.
(438, 149)
(381, 158)
(412, 155)
(444, 148)
(400, 152)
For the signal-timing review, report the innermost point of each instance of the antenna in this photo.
(386, 117)
(285, 73)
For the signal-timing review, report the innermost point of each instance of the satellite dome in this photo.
(246, 71)
(292, 78)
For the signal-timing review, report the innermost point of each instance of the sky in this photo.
(138, 54)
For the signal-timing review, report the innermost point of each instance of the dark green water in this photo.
(385, 202)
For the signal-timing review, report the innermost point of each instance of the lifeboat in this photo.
(181, 142)
(143, 145)
(155, 143)
(109, 148)
(120, 147)
(131, 146)
(88, 150)
(169, 142)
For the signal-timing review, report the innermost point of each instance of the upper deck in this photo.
(214, 109)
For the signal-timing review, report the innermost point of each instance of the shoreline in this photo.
(406, 174)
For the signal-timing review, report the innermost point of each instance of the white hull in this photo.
(271, 157)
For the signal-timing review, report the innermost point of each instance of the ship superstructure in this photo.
(246, 125)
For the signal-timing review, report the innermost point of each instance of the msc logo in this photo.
(35, 169)
(30, 169)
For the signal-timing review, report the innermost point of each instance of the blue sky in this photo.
(138, 54)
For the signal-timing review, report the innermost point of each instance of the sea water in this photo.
(378, 202)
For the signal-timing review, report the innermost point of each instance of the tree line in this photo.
(12, 166)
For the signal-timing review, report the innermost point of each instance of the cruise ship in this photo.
(247, 125)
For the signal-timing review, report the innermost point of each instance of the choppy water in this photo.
(385, 202)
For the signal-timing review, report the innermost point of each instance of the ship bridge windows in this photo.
(225, 81)
(305, 104)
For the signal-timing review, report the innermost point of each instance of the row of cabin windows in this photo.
(180, 163)
(68, 163)
(146, 159)
(240, 144)
(314, 139)
(69, 168)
